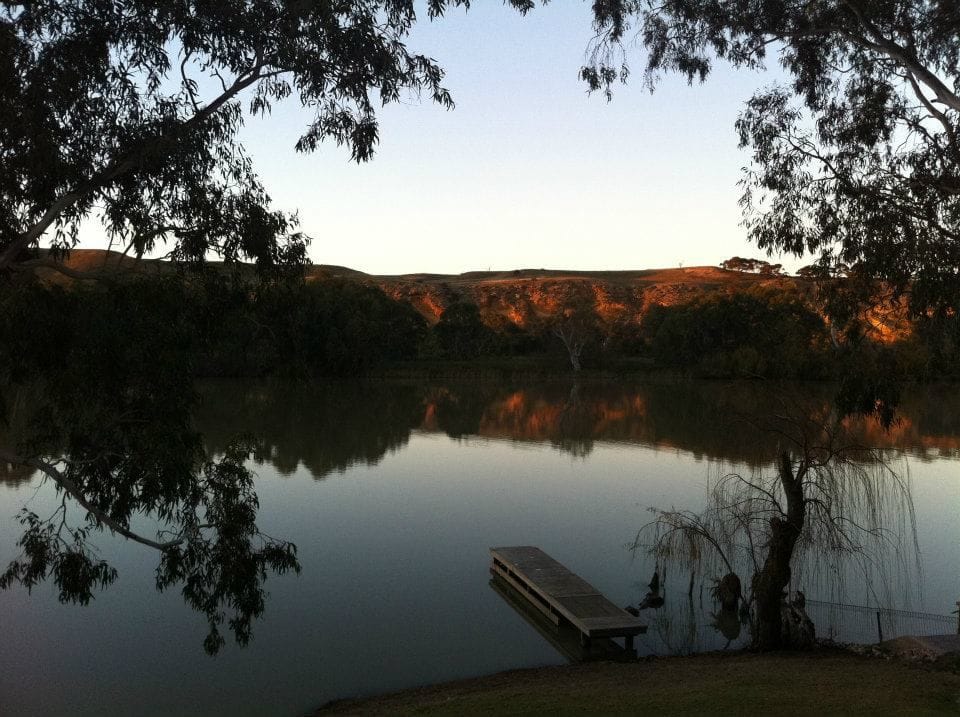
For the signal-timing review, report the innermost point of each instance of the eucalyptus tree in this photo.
(856, 153)
(577, 325)
(127, 112)
(130, 110)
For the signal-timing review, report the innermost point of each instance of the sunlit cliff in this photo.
(525, 297)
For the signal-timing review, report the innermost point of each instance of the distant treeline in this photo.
(220, 326)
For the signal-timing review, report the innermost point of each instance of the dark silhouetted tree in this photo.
(133, 108)
(827, 507)
(857, 155)
(772, 333)
(753, 266)
(461, 334)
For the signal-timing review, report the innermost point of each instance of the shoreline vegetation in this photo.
(702, 322)
(828, 680)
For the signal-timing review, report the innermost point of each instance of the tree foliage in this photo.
(131, 109)
(329, 327)
(752, 266)
(856, 156)
(773, 333)
(461, 334)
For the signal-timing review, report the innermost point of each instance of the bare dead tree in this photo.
(574, 339)
(576, 325)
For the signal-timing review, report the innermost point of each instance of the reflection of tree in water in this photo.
(544, 412)
(11, 474)
(680, 622)
(728, 624)
(325, 426)
(14, 475)
(576, 425)
(128, 463)
(457, 412)
(928, 425)
(677, 628)
(708, 419)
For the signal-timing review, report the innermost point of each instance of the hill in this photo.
(526, 297)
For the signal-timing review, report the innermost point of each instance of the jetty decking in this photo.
(562, 595)
(565, 638)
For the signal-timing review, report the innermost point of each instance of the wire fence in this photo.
(859, 623)
(679, 630)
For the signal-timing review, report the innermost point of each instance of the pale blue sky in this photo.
(528, 171)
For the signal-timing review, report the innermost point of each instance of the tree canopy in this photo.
(752, 266)
(856, 156)
(130, 110)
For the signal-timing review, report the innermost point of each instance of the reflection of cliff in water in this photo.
(331, 426)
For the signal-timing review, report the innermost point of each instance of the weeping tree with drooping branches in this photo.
(825, 508)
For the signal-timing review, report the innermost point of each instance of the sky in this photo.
(529, 170)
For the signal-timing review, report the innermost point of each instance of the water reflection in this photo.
(13, 475)
(397, 554)
(564, 638)
(324, 427)
(328, 427)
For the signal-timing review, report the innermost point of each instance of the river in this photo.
(394, 490)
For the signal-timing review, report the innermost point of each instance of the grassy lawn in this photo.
(829, 682)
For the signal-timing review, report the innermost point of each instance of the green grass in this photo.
(826, 682)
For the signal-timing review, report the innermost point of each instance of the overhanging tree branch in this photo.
(904, 57)
(73, 490)
(126, 162)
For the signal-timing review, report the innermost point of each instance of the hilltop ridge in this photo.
(521, 297)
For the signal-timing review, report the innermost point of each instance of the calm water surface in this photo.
(393, 492)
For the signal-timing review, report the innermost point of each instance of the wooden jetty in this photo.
(564, 638)
(563, 596)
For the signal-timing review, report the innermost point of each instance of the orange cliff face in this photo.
(526, 297)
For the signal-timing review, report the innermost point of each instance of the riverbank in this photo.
(828, 681)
